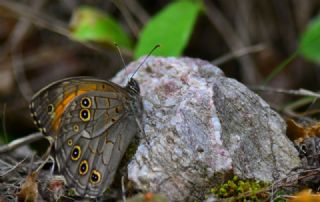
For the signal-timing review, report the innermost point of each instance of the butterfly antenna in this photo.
(144, 60)
(123, 62)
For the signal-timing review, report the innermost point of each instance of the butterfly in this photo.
(91, 122)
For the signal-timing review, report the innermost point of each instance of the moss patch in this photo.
(241, 190)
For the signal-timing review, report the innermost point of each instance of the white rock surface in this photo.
(201, 125)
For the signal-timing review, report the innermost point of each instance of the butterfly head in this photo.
(133, 86)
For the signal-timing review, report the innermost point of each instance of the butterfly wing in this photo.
(49, 104)
(94, 130)
(88, 152)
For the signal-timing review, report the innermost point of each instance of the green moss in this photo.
(71, 192)
(278, 195)
(240, 190)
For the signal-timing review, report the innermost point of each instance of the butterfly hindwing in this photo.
(111, 152)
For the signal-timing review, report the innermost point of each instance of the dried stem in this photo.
(137, 10)
(299, 92)
(233, 41)
(238, 53)
(20, 142)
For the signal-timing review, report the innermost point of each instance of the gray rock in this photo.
(253, 133)
(200, 125)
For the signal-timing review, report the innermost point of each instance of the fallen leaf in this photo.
(306, 196)
(29, 189)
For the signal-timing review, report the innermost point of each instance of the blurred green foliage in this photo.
(309, 46)
(91, 24)
(171, 28)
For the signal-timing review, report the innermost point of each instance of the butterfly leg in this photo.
(46, 156)
(141, 130)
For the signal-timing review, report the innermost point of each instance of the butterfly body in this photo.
(91, 122)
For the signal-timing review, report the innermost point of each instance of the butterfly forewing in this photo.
(48, 105)
(93, 122)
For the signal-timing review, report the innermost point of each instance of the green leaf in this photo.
(91, 24)
(171, 28)
(309, 46)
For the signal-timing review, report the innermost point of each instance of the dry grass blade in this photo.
(49, 23)
(125, 12)
(233, 41)
(299, 92)
(238, 53)
(20, 142)
(36, 17)
(13, 168)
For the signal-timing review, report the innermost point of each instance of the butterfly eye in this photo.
(76, 152)
(50, 108)
(85, 115)
(95, 177)
(83, 167)
(86, 102)
(75, 128)
(70, 142)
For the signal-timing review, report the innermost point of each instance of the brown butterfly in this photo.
(91, 123)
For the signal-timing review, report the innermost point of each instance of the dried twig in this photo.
(17, 37)
(36, 17)
(299, 92)
(19, 74)
(290, 180)
(238, 53)
(20, 142)
(309, 98)
(13, 167)
(19, 31)
(233, 41)
(123, 189)
(137, 10)
(126, 14)
(50, 23)
(4, 123)
(46, 156)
